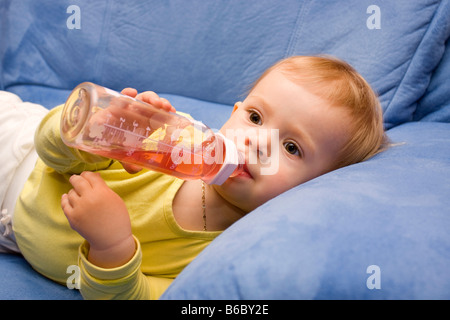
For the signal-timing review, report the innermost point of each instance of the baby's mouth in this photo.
(246, 170)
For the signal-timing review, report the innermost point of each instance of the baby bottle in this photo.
(104, 122)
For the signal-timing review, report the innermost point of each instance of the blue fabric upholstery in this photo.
(317, 240)
(18, 281)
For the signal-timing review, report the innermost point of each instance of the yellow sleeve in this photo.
(55, 154)
(126, 282)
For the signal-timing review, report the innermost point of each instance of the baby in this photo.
(132, 231)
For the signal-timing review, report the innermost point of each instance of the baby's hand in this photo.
(100, 216)
(149, 97)
(153, 99)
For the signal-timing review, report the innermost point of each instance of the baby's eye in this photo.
(255, 117)
(292, 148)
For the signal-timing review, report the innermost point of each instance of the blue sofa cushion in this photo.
(18, 281)
(435, 104)
(322, 239)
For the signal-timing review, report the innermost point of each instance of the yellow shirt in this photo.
(49, 244)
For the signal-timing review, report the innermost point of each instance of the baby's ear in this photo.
(236, 106)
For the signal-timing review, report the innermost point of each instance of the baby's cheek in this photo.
(277, 184)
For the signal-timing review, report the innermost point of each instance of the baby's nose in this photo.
(258, 146)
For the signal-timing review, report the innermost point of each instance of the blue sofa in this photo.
(374, 230)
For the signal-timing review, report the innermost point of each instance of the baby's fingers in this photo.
(69, 202)
(80, 184)
(131, 168)
(94, 179)
(71, 206)
(152, 98)
(129, 92)
(166, 105)
(65, 204)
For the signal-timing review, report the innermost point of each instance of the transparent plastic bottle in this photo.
(104, 122)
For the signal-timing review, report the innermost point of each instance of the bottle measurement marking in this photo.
(114, 130)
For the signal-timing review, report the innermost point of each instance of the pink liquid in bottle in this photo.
(192, 167)
(103, 122)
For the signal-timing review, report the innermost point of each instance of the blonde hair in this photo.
(339, 83)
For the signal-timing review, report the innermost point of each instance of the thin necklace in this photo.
(204, 205)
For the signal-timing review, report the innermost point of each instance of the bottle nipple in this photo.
(233, 163)
(240, 167)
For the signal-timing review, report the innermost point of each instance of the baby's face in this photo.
(288, 136)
